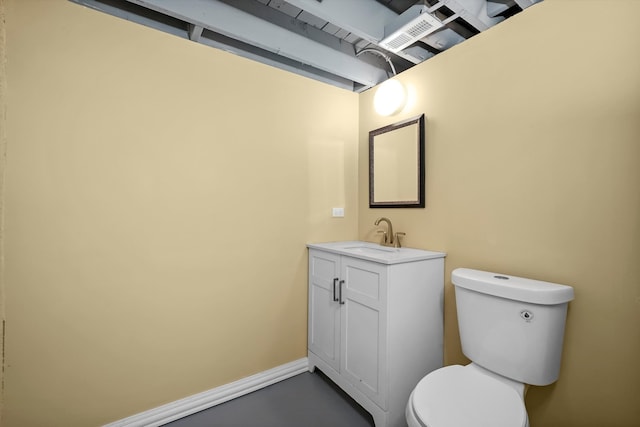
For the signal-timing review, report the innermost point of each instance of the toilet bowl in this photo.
(468, 395)
(512, 329)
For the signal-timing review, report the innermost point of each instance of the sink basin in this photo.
(367, 249)
(377, 253)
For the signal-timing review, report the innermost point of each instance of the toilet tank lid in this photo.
(512, 287)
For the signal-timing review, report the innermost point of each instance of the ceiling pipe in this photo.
(384, 55)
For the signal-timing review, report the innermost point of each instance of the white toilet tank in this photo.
(511, 325)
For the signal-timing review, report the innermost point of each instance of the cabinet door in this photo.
(324, 309)
(364, 334)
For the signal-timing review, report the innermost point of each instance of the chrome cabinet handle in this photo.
(335, 281)
(340, 296)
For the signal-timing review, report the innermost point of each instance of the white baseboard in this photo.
(197, 402)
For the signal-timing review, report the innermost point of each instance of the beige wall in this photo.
(3, 145)
(533, 169)
(158, 206)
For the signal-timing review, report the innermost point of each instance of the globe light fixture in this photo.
(390, 98)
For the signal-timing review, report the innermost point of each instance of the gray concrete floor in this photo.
(306, 400)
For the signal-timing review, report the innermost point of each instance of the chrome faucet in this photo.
(387, 236)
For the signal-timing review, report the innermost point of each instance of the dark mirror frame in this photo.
(420, 203)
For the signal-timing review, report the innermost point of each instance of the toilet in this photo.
(512, 329)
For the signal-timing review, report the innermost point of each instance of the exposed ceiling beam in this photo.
(232, 22)
(129, 12)
(526, 3)
(365, 18)
(245, 50)
(135, 13)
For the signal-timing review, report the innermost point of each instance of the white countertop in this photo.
(377, 253)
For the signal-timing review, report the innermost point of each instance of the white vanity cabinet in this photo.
(375, 321)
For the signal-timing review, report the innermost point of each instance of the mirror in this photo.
(396, 165)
